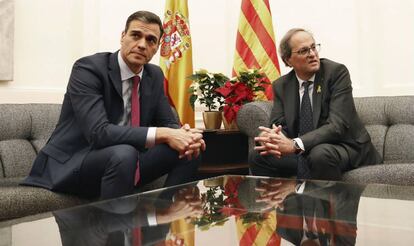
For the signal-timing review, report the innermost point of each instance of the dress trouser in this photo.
(326, 162)
(109, 172)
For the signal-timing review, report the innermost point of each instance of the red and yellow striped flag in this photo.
(263, 233)
(255, 43)
(176, 58)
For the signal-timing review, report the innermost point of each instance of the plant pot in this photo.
(230, 126)
(213, 182)
(212, 119)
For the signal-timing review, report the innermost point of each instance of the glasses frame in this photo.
(306, 50)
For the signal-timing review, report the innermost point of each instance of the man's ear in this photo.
(286, 61)
(122, 37)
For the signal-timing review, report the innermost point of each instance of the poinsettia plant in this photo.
(247, 87)
(204, 88)
(222, 202)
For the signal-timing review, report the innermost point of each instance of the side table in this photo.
(226, 153)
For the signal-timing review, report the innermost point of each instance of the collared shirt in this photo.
(301, 91)
(302, 88)
(126, 77)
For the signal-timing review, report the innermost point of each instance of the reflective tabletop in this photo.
(231, 210)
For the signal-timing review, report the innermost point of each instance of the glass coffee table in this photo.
(231, 210)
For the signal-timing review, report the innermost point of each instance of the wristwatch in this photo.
(298, 150)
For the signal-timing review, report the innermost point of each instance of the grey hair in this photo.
(285, 50)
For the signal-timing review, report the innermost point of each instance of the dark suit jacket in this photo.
(332, 207)
(334, 115)
(91, 110)
(110, 222)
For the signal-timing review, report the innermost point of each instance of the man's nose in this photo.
(141, 44)
(312, 52)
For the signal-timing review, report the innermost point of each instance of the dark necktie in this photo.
(305, 125)
(135, 115)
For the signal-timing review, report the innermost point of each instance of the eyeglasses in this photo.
(306, 51)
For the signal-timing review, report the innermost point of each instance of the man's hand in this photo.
(187, 141)
(274, 142)
(274, 192)
(187, 204)
(199, 145)
(267, 145)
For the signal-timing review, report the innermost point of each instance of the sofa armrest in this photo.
(251, 116)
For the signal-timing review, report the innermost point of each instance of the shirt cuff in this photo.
(300, 143)
(152, 218)
(152, 131)
(300, 187)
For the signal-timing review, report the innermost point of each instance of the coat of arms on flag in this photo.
(176, 39)
(176, 58)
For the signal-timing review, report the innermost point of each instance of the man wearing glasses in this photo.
(314, 131)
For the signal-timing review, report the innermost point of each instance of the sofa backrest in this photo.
(390, 122)
(24, 130)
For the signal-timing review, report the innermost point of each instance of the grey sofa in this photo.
(389, 121)
(24, 130)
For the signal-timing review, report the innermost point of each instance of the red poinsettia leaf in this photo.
(229, 113)
(225, 90)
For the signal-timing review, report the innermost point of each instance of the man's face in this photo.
(305, 65)
(139, 44)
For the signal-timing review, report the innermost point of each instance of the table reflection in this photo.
(265, 211)
(133, 220)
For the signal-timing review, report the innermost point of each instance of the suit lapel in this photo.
(317, 97)
(292, 102)
(145, 95)
(115, 73)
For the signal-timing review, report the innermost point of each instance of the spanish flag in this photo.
(255, 43)
(176, 58)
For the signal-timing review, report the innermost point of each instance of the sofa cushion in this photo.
(18, 201)
(377, 133)
(15, 122)
(389, 192)
(44, 119)
(1, 169)
(17, 156)
(397, 174)
(24, 130)
(399, 144)
(371, 110)
(399, 110)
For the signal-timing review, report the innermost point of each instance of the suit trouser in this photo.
(326, 162)
(110, 172)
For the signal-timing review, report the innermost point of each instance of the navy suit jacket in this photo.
(91, 109)
(334, 115)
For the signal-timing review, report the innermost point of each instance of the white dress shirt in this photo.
(126, 76)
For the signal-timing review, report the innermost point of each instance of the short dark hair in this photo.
(285, 50)
(147, 17)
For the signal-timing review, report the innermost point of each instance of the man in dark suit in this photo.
(111, 222)
(315, 131)
(103, 134)
(319, 213)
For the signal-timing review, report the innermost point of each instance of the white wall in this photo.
(373, 38)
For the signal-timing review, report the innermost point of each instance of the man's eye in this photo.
(136, 35)
(303, 51)
(152, 41)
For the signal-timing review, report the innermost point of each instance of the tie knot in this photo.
(306, 84)
(135, 79)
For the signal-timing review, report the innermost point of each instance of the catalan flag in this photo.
(263, 233)
(176, 58)
(255, 42)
